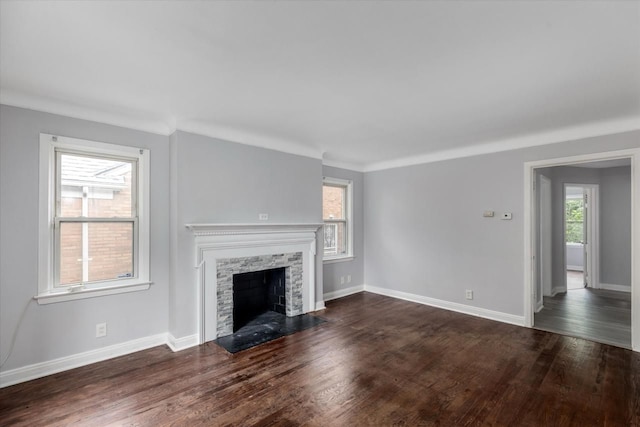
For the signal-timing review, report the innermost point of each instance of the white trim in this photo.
(557, 290)
(71, 294)
(39, 370)
(240, 136)
(320, 305)
(614, 287)
(544, 263)
(167, 126)
(533, 140)
(539, 306)
(123, 118)
(348, 185)
(448, 305)
(575, 268)
(182, 343)
(528, 229)
(343, 165)
(338, 259)
(227, 229)
(343, 292)
(47, 199)
(220, 241)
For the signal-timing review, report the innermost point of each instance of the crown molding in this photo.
(130, 120)
(533, 140)
(167, 126)
(247, 138)
(343, 165)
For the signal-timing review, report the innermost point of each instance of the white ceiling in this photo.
(363, 84)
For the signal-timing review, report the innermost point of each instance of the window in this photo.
(94, 228)
(336, 214)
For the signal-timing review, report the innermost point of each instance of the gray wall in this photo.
(425, 233)
(193, 179)
(615, 226)
(214, 181)
(355, 268)
(61, 329)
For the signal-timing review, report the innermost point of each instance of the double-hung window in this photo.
(336, 213)
(94, 228)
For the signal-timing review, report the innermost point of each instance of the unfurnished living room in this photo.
(319, 213)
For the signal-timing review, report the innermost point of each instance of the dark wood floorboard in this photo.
(595, 314)
(377, 361)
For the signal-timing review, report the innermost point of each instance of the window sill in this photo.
(338, 259)
(53, 297)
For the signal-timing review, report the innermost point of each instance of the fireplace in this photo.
(257, 292)
(230, 268)
(225, 250)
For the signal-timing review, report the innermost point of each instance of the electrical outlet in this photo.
(101, 330)
(468, 294)
(263, 217)
(348, 278)
(342, 280)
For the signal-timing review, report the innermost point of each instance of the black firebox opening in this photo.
(257, 292)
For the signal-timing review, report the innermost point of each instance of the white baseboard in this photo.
(43, 369)
(575, 268)
(320, 306)
(613, 287)
(556, 291)
(539, 306)
(447, 305)
(182, 343)
(343, 292)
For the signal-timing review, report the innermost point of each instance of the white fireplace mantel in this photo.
(252, 228)
(215, 242)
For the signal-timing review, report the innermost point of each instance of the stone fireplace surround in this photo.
(226, 249)
(227, 268)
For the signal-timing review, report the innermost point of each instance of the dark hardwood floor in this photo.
(377, 361)
(595, 314)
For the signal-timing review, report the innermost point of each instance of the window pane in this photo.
(70, 261)
(333, 202)
(108, 254)
(95, 187)
(334, 239)
(574, 220)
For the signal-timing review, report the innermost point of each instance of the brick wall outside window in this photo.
(110, 244)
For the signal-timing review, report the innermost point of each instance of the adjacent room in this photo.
(319, 213)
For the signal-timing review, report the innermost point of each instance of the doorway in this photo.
(582, 220)
(581, 236)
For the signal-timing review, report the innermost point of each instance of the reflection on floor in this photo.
(595, 314)
(575, 279)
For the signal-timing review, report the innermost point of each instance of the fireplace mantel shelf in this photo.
(252, 228)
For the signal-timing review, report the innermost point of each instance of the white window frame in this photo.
(348, 184)
(48, 292)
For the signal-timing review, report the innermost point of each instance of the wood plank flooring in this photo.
(377, 361)
(594, 314)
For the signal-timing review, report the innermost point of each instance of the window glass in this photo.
(335, 213)
(95, 187)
